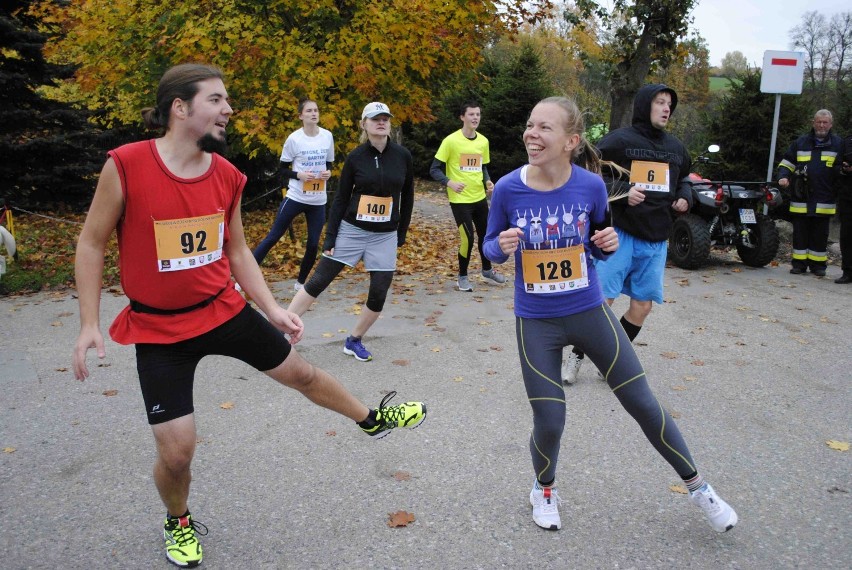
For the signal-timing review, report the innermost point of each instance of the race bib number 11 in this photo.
(315, 186)
(189, 243)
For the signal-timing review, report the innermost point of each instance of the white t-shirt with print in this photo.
(308, 154)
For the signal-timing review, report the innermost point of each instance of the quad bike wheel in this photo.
(765, 240)
(689, 241)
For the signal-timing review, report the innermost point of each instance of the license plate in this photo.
(747, 216)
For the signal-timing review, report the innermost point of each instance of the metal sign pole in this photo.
(774, 136)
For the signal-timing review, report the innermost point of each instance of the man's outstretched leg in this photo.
(324, 390)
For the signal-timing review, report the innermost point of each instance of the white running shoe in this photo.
(545, 503)
(571, 367)
(464, 283)
(492, 275)
(721, 516)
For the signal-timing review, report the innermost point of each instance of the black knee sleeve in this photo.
(380, 282)
(327, 269)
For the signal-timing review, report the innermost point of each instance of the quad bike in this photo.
(725, 214)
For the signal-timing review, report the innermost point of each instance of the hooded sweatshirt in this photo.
(650, 220)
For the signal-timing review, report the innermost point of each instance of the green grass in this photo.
(18, 279)
(721, 83)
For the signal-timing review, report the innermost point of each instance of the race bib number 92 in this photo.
(189, 243)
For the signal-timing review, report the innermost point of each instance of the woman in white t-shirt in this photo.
(306, 157)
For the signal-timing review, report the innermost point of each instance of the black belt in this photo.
(140, 308)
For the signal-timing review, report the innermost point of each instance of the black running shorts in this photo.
(167, 371)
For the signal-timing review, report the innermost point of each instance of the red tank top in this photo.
(170, 242)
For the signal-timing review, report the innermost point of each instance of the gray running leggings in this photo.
(598, 333)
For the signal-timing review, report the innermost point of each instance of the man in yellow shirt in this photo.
(460, 166)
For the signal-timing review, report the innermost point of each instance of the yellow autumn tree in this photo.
(342, 53)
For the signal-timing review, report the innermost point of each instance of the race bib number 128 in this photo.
(554, 270)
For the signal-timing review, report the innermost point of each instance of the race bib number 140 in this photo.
(374, 209)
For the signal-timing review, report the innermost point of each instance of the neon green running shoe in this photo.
(405, 415)
(182, 547)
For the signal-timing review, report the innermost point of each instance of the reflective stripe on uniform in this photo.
(798, 207)
(817, 256)
(827, 209)
(828, 157)
(803, 156)
(800, 254)
(788, 165)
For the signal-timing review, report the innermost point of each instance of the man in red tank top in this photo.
(175, 203)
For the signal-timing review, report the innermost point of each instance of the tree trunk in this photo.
(629, 76)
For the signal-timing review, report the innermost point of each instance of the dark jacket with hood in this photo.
(652, 219)
(818, 158)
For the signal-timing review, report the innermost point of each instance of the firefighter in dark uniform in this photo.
(809, 169)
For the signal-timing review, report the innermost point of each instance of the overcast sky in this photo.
(754, 26)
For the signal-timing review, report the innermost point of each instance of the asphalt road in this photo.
(753, 363)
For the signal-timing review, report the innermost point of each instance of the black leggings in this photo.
(328, 269)
(598, 333)
(469, 217)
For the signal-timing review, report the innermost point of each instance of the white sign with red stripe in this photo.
(783, 72)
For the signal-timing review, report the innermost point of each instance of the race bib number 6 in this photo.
(189, 243)
(554, 270)
(374, 209)
(650, 176)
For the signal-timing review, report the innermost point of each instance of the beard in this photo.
(209, 143)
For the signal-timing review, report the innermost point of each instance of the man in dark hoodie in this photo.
(659, 165)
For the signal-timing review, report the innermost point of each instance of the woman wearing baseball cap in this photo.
(368, 221)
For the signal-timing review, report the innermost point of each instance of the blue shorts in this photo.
(635, 269)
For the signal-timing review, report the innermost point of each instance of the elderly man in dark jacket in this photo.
(809, 169)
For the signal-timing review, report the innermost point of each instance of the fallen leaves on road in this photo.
(9, 450)
(400, 519)
(837, 445)
(402, 476)
(227, 405)
(401, 362)
(676, 488)
(109, 393)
